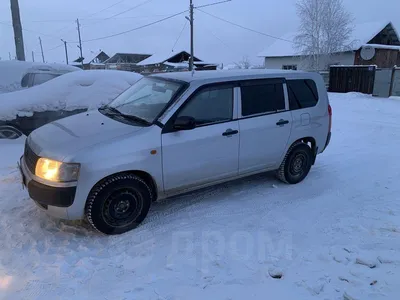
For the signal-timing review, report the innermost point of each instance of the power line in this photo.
(221, 41)
(180, 35)
(90, 15)
(92, 19)
(130, 9)
(33, 31)
(113, 16)
(137, 28)
(104, 9)
(243, 27)
(54, 48)
(211, 4)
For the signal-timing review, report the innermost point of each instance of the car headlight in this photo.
(56, 171)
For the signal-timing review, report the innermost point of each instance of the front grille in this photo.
(30, 158)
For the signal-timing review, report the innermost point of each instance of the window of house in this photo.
(289, 67)
(302, 93)
(211, 105)
(262, 98)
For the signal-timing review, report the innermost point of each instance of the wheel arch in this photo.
(310, 141)
(145, 176)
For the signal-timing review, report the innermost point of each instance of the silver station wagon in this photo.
(173, 133)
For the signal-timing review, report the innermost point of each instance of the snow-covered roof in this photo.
(89, 58)
(160, 57)
(362, 34)
(183, 64)
(378, 46)
(84, 89)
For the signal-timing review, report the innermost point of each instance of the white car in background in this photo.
(16, 75)
(23, 111)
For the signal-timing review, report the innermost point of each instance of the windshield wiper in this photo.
(111, 109)
(116, 112)
(135, 119)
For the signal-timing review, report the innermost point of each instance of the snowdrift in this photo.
(11, 72)
(75, 90)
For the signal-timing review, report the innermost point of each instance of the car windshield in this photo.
(146, 99)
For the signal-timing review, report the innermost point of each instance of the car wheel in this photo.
(296, 164)
(118, 204)
(9, 132)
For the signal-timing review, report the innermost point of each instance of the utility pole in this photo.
(191, 21)
(80, 40)
(33, 56)
(41, 48)
(18, 37)
(66, 50)
(191, 67)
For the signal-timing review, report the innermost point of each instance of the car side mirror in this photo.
(185, 123)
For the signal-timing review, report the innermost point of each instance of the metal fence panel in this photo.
(383, 78)
(396, 83)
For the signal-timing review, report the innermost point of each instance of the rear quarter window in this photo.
(303, 93)
(262, 97)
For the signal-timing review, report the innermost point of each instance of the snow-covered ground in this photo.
(75, 90)
(334, 236)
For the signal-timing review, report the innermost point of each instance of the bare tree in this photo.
(244, 63)
(325, 30)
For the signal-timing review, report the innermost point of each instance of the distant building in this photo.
(95, 61)
(126, 61)
(376, 43)
(173, 61)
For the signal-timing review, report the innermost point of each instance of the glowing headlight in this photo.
(56, 171)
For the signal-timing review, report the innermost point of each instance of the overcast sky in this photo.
(215, 41)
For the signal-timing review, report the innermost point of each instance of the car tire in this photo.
(118, 204)
(297, 164)
(9, 132)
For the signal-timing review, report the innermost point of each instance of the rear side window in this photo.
(259, 98)
(43, 77)
(25, 80)
(302, 93)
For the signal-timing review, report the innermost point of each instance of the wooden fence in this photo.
(344, 79)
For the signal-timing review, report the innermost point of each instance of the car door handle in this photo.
(282, 122)
(230, 132)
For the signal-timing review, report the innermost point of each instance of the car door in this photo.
(210, 151)
(264, 124)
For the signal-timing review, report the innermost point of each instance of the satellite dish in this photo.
(367, 52)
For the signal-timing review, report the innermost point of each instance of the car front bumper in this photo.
(54, 200)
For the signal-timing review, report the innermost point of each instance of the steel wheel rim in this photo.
(298, 162)
(122, 207)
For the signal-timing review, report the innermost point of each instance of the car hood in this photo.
(69, 135)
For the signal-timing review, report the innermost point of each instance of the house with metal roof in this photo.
(96, 60)
(173, 61)
(376, 43)
(126, 61)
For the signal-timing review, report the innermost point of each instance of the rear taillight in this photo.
(330, 117)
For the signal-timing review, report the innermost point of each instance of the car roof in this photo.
(231, 75)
